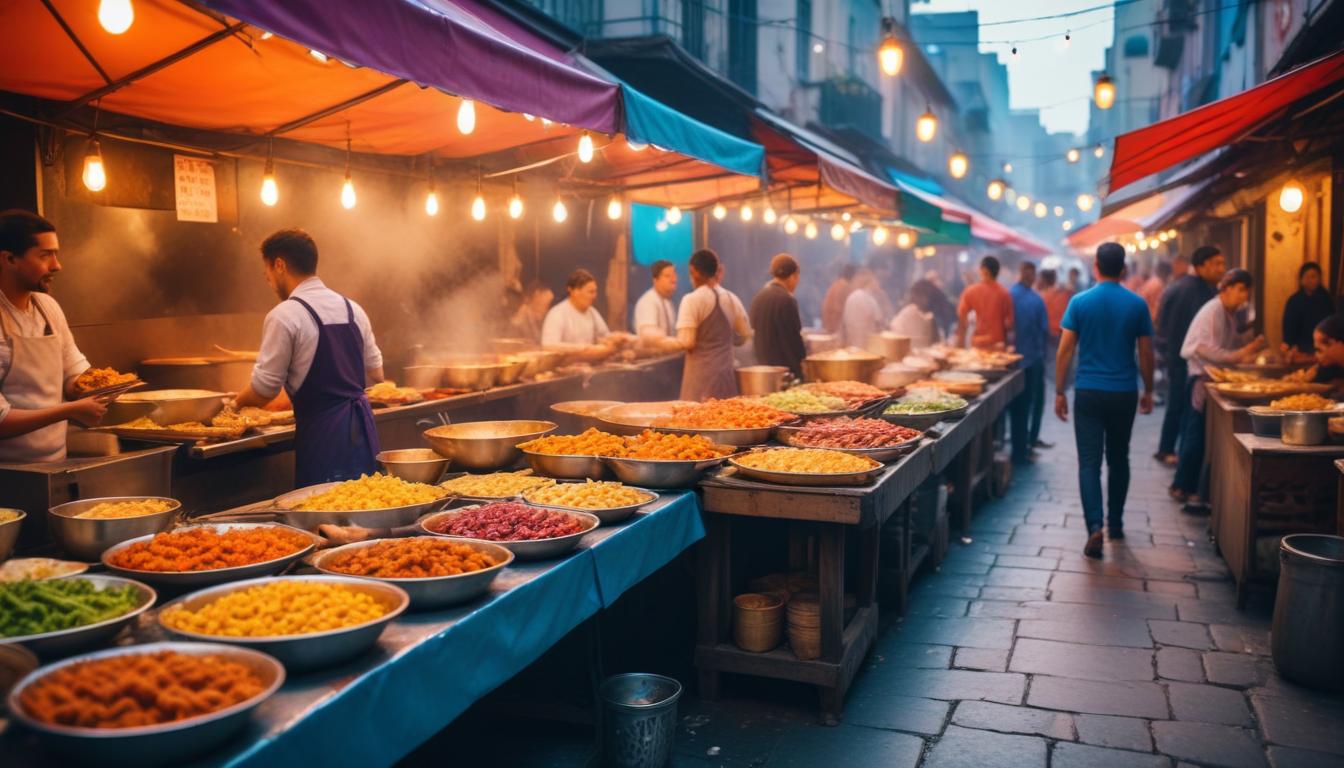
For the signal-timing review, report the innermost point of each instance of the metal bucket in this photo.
(639, 720)
(1307, 637)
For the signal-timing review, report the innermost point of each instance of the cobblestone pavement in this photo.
(1019, 651)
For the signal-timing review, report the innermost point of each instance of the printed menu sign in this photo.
(194, 183)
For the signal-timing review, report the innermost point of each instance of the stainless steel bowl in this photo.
(121, 411)
(414, 465)
(536, 549)
(511, 346)
(566, 467)
(64, 642)
(15, 663)
(472, 375)
(151, 745)
(310, 519)
(583, 413)
(9, 531)
(925, 421)
(485, 445)
(886, 453)
(609, 515)
(654, 473)
(433, 591)
(1265, 421)
(815, 479)
(191, 579)
(513, 370)
(1305, 427)
(422, 376)
(843, 365)
(174, 406)
(87, 538)
(633, 418)
(758, 380)
(313, 650)
(739, 437)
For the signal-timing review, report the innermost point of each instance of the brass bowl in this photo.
(485, 445)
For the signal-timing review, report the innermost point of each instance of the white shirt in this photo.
(566, 325)
(862, 317)
(289, 338)
(1212, 338)
(916, 325)
(696, 306)
(31, 323)
(655, 315)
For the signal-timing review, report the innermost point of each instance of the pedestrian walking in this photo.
(1180, 301)
(1030, 332)
(1104, 325)
(992, 306)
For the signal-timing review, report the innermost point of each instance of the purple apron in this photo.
(334, 435)
(708, 370)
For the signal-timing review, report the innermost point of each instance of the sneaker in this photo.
(1042, 445)
(1093, 547)
(1167, 459)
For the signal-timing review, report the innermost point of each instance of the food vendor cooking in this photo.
(1329, 341)
(710, 322)
(318, 346)
(576, 321)
(39, 361)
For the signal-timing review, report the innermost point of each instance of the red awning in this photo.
(1162, 145)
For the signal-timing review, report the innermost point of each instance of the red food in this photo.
(853, 433)
(508, 521)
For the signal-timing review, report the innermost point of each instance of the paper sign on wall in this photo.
(194, 182)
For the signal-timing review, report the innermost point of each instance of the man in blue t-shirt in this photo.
(1030, 331)
(1105, 324)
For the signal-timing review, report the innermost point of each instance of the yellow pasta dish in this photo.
(807, 461)
(592, 494)
(109, 510)
(499, 485)
(375, 491)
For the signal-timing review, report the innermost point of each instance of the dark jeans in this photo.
(1102, 423)
(1026, 411)
(1178, 403)
(1192, 443)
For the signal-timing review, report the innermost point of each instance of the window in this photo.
(742, 43)
(803, 43)
(693, 27)
(1136, 47)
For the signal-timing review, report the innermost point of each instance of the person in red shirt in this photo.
(993, 308)
(1056, 299)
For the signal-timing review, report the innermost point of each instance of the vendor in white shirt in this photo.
(655, 317)
(38, 357)
(319, 346)
(863, 312)
(915, 320)
(575, 321)
(710, 323)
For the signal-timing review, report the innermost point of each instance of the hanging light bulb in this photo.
(661, 226)
(837, 231)
(1162, 237)
(1040, 210)
(614, 208)
(1171, 234)
(1072, 155)
(95, 173)
(478, 207)
(559, 212)
(1103, 92)
(905, 238)
(116, 16)
(995, 189)
(1007, 167)
(348, 192)
(890, 55)
(879, 235)
(1131, 248)
(1059, 211)
(926, 127)
(768, 215)
(515, 205)
(1291, 197)
(1067, 224)
(846, 216)
(810, 231)
(957, 165)
(585, 148)
(466, 117)
(746, 213)
(270, 193)
(1085, 202)
(1098, 151)
(546, 123)
(855, 226)
(719, 211)
(1023, 202)
(673, 215)
(432, 201)
(790, 225)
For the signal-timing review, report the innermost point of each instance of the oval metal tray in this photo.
(192, 579)
(566, 467)
(431, 591)
(388, 517)
(808, 478)
(534, 549)
(660, 473)
(609, 515)
(886, 453)
(63, 642)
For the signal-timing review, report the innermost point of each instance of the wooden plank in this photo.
(783, 502)
(831, 583)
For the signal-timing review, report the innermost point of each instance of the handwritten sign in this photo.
(194, 182)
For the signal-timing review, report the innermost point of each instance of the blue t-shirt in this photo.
(1029, 324)
(1109, 319)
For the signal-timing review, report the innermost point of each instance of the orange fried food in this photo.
(139, 689)
(660, 446)
(733, 413)
(593, 442)
(416, 558)
(205, 549)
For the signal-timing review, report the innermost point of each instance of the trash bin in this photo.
(639, 720)
(1307, 637)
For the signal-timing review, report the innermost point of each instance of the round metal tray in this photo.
(808, 478)
(388, 517)
(453, 496)
(924, 421)
(166, 744)
(313, 650)
(608, 516)
(63, 642)
(886, 453)
(193, 579)
(864, 409)
(536, 549)
(738, 437)
(566, 467)
(431, 591)
(660, 473)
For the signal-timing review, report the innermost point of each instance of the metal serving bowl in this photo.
(608, 515)
(757, 380)
(414, 465)
(585, 413)
(925, 421)
(312, 650)
(422, 376)
(87, 538)
(174, 406)
(828, 479)
(310, 519)
(886, 453)
(1265, 421)
(9, 531)
(566, 467)
(485, 445)
(741, 437)
(514, 366)
(660, 473)
(15, 662)
(1305, 427)
(63, 642)
(534, 549)
(120, 411)
(633, 418)
(192, 579)
(842, 365)
(432, 591)
(472, 375)
(167, 744)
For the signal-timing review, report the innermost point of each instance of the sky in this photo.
(1047, 74)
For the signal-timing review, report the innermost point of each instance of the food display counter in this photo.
(1223, 419)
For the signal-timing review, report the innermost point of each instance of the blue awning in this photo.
(652, 122)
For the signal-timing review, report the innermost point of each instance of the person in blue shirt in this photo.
(1031, 330)
(1105, 325)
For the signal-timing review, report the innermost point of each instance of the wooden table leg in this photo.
(907, 558)
(965, 491)
(831, 584)
(715, 588)
(870, 538)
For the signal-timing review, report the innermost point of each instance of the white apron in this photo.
(35, 379)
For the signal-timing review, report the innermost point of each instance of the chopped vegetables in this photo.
(36, 607)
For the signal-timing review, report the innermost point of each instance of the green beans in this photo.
(35, 607)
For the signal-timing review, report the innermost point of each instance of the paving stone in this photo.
(1066, 755)
(1018, 577)
(1013, 549)
(960, 566)
(1111, 731)
(1292, 757)
(1212, 612)
(970, 632)
(1014, 594)
(1130, 699)
(955, 684)
(1052, 611)
(1240, 639)
(910, 655)
(811, 746)
(982, 659)
(1066, 580)
(967, 748)
(1313, 723)
(997, 717)
(1237, 669)
(1177, 588)
(1208, 704)
(1180, 664)
(1122, 632)
(1019, 561)
(875, 707)
(1218, 745)
(1102, 596)
(1087, 662)
(937, 605)
(1180, 633)
(947, 585)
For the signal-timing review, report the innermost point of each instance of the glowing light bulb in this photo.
(746, 213)
(1131, 248)
(1040, 210)
(1084, 202)
(926, 127)
(635, 146)
(614, 208)
(891, 56)
(719, 212)
(810, 231)
(270, 193)
(673, 215)
(818, 48)
(769, 216)
(1023, 202)
(1103, 93)
(515, 206)
(348, 192)
(846, 216)
(318, 55)
(905, 238)
(661, 226)
(116, 16)
(1007, 167)
(559, 212)
(546, 123)
(957, 165)
(1067, 224)
(855, 226)
(1098, 151)
(837, 231)
(879, 235)
(95, 173)
(1059, 211)
(478, 207)
(1162, 237)
(1072, 155)
(585, 148)
(1291, 197)
(432, 202)
(529, 118)
(995, 189)
(466, 117)
(267, 35)
(790, 226)
(1171, 234)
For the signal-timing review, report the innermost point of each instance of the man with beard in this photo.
(38, 357)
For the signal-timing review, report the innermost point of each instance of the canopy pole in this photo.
(333, 109)
(70, 33)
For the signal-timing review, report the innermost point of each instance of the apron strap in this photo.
(308, 307)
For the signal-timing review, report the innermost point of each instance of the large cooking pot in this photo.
(841, 365)
(759, 380)
(218, 374)
(889, 345)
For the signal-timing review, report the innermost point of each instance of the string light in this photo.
(855, 226)
(810, 231)
(116, 16)
(1059, 211)
(320, 56)
(958, 164)
(585, 148)
(95, 173)
(1085, 202)
(1067, 224)
(1103, 92)
(1131, 248)
(837, 231)
(478, 202)
(818, 48)
(747, 213)
(926, 127)
(768, 215)
(1098, 151)
(348, 188)
(1162, 237)
(661, 226)
(614, 208)
(529, 118)
(546, 123)
(673, 215)
(515, 202)
(719, 212)
(431, 197)
(879, 235)
(1023, 202)
(1072, 155)
(1007, 167)
(1040, 210)
(466, 117)
(995, 189)
(1291, 197)
(1171, 234)
(559, 212)
(790, 225)
(905, 238)
(890, 55)
(846, 216)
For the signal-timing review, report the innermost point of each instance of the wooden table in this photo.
(1223, 419)
(967, 446)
